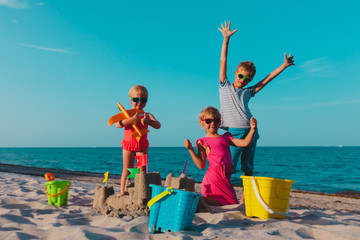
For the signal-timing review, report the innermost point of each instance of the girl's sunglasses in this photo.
(136, 100)
(247, 79)
(209, 120)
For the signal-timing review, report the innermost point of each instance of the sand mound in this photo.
(137, 194)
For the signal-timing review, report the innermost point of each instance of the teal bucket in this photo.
(171, 210)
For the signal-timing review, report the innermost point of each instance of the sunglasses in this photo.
(209, 120)
(247, 79)
(136, 100)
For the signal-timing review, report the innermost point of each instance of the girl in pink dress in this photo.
(216, 186)
(131, 147)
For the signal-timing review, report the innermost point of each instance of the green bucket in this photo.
(57, 192)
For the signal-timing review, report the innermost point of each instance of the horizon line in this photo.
(339, 146)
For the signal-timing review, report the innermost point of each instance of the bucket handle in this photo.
(267, 208)
(168, 190)
(55, 195)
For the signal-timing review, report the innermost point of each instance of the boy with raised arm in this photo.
(234, 99)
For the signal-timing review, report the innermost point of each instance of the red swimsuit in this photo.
(131, 144)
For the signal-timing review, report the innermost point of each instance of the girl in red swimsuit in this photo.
(131, 147)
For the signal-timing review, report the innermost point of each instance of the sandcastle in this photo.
(137, 194)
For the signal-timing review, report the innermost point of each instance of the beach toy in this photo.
(171, 209)
(133, 171)
(127, 114)
(106, 177)
(266, 197)
(57, 191)
(49, 176)
(141, 160)
(185, 167)
(168, 190)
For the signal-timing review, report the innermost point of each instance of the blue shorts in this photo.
(246, 154)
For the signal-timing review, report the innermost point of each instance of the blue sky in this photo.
(65, 65)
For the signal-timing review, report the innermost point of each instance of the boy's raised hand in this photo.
(288, 61)
(226, 32)
(253, 123)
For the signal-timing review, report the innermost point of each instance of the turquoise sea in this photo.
(319, 169)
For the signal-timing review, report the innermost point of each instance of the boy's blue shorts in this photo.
(246, 154)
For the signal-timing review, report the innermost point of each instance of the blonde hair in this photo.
(209, 110)
(140, 89)
(249, 67)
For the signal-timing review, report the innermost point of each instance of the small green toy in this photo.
(133, 171)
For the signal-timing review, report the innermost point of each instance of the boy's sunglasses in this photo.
(136, 100)
(209, 120)
(247, 79)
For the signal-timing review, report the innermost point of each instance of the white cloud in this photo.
(13, 4)
(339, 102)
(316, 65)
(45, 48)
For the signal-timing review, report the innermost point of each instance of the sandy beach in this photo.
(25, 214)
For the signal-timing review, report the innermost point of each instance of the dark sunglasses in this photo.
(247, 79)
(209, 120)
(136, 100)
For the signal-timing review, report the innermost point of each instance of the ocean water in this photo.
(319, 169)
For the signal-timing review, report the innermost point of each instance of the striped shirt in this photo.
(234, 109)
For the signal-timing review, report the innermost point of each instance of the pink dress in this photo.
(216, 182)
(131, 144)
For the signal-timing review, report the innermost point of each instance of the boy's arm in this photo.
(227, 33)
(288, 61)
(199, 159)
(246, 142)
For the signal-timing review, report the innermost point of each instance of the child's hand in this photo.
(226, 32)
(135, 118)
(188, 144)
(253, 123)
(288, 61)
(145, 120)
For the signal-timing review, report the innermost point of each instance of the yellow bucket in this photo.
(266, 197)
